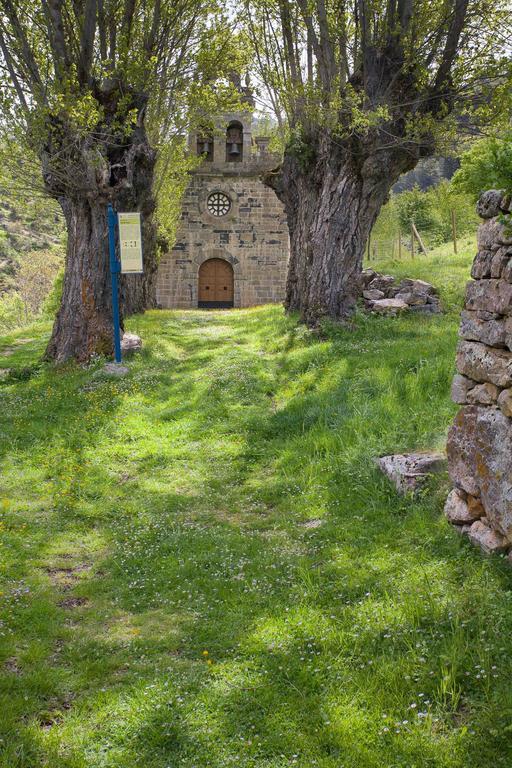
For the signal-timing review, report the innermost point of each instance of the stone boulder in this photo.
(416, 287)
(486, 327)
(466, 390)
(130, 343)
(482, 265)
(389, 306)
(411, 298)
(461, 386)
(367, 275)
(381, 283)
(505, 402)
(490, 296)
(373, 295)
(492, 236)
(483, 363)
(408, 472)
(488, 540)
(483, 394)
(489, 204)
(458, 511)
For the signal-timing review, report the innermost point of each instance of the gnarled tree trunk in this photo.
(85, 175)
(331, 205)
(83, 326)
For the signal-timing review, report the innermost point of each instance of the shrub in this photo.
(36, 277)
(487, 165)
(12, 312)
(418, 207)
(52, 302)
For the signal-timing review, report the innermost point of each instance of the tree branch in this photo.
(25, 51)
(53, 13)
(12, 72)
(87, 41)
(126, 25)
(450, 48)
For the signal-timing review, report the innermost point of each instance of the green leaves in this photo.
(487, 165)
(378, 66)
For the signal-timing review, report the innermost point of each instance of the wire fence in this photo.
(410, 243)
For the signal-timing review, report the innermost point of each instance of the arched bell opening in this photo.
(204, 144)
(234, 142)
(216, 285)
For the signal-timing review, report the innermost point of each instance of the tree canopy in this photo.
(95, 87)
(353, 66)
(64, 63)
(363, 91)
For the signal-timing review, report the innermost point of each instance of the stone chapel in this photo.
(232, 242)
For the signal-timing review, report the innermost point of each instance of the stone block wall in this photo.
(480, 440)
(253, 237)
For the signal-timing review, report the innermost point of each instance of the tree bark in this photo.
(83, 326)
(331, 204)
(138, 292)
(85, 175)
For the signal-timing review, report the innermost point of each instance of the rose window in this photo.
(218, 204)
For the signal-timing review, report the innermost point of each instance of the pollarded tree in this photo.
(79, 81)
(365, 89)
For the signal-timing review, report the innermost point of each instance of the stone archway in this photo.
(216, 284)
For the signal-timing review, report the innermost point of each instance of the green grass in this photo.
(224, 498)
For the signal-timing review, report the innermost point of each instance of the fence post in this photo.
(412, 241)
(454, 230)
(399, 244)
(418, 238)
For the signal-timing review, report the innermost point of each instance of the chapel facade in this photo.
(232, 242)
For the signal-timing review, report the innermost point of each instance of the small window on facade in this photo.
(234, 143)
(218, 204)
(205, 144)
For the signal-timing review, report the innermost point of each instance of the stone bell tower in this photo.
(232, 244)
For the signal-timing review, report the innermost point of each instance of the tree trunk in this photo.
(138, 292)
(85, 175)
(331, 206)
(83, 326)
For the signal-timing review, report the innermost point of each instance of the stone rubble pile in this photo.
(480, 440)
(385, 295)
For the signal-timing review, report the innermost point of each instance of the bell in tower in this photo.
(205, 143)
(234, 142)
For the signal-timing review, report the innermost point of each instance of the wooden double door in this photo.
(216, 284)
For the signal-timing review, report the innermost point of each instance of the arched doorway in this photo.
(216, 284)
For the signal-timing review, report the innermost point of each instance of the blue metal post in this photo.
(115, 268)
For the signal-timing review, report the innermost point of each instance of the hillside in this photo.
(428, 173)
(26, 225)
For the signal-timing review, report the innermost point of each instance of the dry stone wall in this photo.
(480, 440)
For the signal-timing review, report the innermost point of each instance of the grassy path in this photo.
(201, 567)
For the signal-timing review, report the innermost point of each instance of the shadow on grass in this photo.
(228, 497)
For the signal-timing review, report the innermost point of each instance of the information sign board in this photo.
(130, 240)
